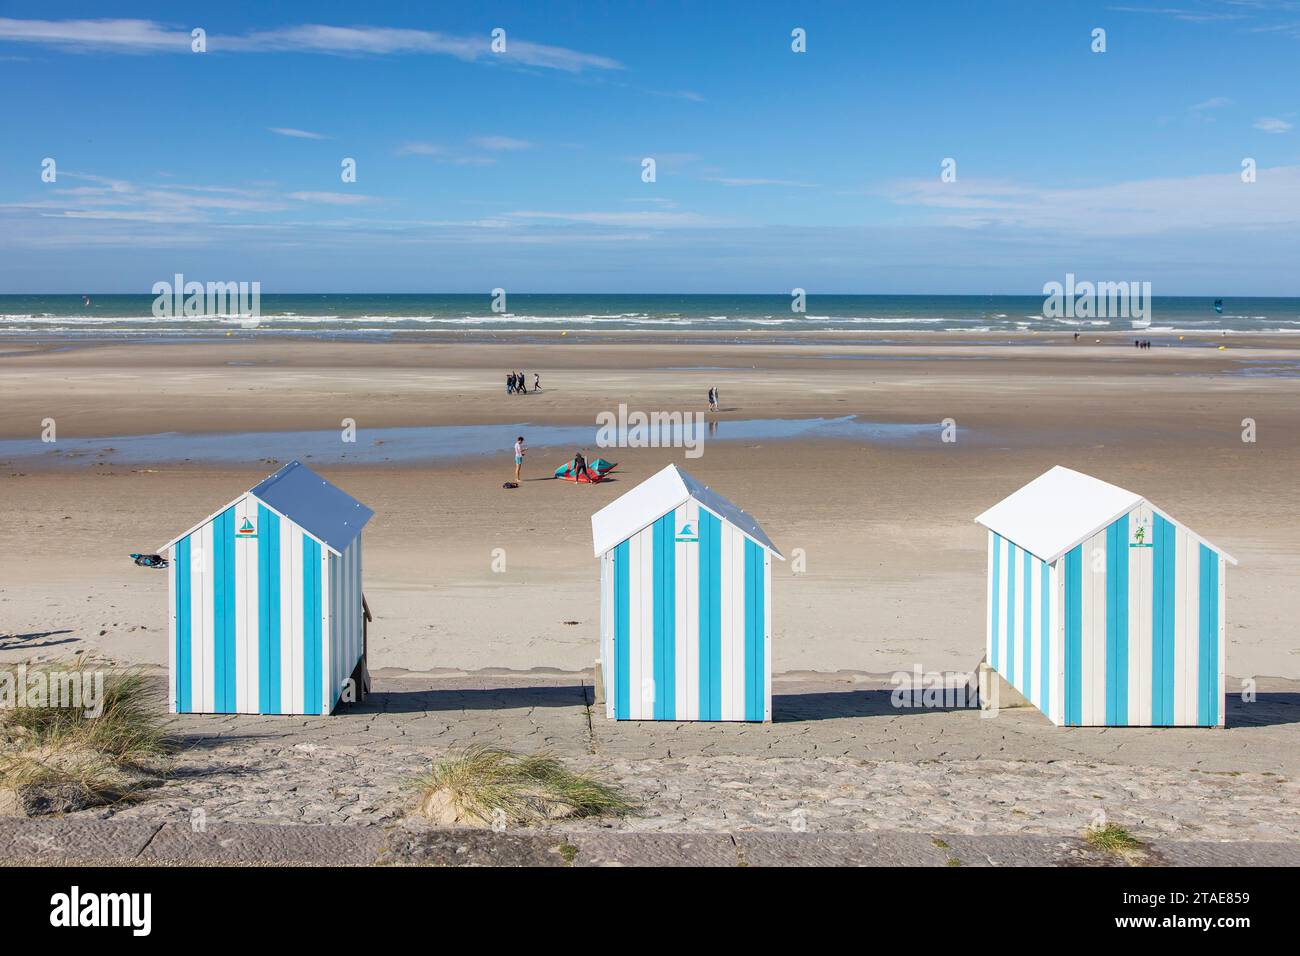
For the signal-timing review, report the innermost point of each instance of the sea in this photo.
(370, 315)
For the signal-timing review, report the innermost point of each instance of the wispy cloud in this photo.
(621, 218)
(105, 198)
(420, 149)
(659, 201)
(150, 36)
(1194, 14)
(501, 143)
(332, 199)
(1133, 208)
(1271, 124)
(1213, 103)
(739, 181)
(297, 133)
(671, 163)
(318, 38)
(1250, 16)
(478, 151)
(679, 95)
(131, 36)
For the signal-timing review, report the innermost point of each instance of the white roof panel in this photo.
(659, 494)
(1062, 508)
(1057, 510)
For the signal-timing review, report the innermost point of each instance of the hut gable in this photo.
(660, 494)
(1062, 508)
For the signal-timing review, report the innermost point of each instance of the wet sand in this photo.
(894, 565)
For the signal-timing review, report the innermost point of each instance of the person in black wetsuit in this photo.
(580, 467)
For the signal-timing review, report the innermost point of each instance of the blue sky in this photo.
(775, 169)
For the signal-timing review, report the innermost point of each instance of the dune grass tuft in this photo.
(39, 780)
(130, 725)
(58, 758)
(481, 786)
(1112, 838)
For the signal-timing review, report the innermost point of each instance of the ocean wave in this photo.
(34, 321)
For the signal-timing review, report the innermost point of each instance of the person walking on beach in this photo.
(520, 451)
(523, 384)
(537, 382)
(717, 400)
(510, 383)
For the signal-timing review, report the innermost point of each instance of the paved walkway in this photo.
(121, 842)
(839, 768)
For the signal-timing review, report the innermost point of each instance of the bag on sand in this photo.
(511, 484)
(149, 560)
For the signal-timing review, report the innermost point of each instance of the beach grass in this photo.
(129, 726)
(43, 779)
(1112, 838)
(64, 757)
(487, 786)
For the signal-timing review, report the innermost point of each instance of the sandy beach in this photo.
(893, 570)
(666, 450)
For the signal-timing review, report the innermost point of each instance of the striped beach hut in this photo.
(267, 614)
(686, 604)
(1102, 609)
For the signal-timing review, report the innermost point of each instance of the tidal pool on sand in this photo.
(441, 442)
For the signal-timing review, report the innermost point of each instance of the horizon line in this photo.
(780, 295)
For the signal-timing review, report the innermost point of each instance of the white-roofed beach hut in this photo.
(686, 604)
(267, 613)
(1102, 609)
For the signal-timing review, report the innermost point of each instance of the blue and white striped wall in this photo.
(262, 622)
(1121, 630)
(686, 622)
